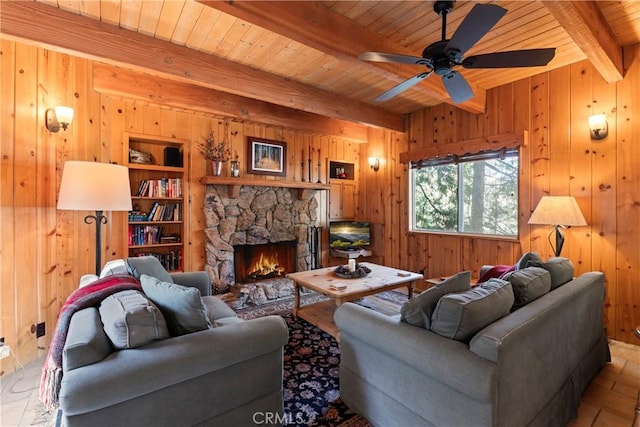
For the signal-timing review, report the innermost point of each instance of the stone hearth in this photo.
(258, 215)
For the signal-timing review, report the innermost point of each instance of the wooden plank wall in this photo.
(560, 159)
(43, 251)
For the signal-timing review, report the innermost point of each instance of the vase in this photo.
(235, 168)
(216, 167)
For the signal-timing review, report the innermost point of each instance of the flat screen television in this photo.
(349, 235)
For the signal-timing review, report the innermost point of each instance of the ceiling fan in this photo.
(442, 56)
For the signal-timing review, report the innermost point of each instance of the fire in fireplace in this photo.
(253, 263)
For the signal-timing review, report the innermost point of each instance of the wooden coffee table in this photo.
(321, 314)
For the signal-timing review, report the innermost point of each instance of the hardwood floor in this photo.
(609, 400)
(611, 397)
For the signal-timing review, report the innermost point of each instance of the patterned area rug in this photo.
(311, 365)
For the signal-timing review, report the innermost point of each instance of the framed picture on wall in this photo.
(266, 157)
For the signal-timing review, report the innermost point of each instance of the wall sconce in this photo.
(58, 117)
(374, 163)
(598, 126)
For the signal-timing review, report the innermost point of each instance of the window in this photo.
(474, 194)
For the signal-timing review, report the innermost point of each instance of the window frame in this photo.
(457, 160)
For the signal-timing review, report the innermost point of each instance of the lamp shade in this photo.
(92, 186)
(557, 210)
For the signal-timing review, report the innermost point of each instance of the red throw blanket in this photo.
(497, 271)
(81, 298)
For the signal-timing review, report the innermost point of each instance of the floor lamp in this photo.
(560, 212)
(99, 187)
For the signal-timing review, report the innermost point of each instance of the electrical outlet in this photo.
(40, 330)
(5, 351)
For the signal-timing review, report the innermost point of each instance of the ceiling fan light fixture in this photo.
(440, 57)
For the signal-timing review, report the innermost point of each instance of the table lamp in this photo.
(560, 212)
(92, 186)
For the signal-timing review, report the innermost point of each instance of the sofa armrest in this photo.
(447, 361)
(164, 363)
(196, 279)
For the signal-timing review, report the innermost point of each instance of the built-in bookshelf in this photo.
(156, 224)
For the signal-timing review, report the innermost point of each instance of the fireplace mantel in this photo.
(235, 184)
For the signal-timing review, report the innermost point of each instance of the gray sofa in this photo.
(218, 376)
(528, 368)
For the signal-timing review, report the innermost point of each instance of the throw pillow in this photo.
(131, 320)
(526, 258)
(418, 310)
(461, 315)
(149, 265)
(561, 270)
(528, 284)
(181, 305)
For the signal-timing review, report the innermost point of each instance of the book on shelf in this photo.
(140, 235)
(161, 188)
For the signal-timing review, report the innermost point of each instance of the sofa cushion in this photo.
(418, 310)
(181, 305)
(130, 320)
(461, 315)
(149, 265)
(528, 284)
(86, 341)
(560, 268)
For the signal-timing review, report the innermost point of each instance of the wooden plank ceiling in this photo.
(313, 46)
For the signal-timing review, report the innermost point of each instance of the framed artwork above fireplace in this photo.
(266, 156)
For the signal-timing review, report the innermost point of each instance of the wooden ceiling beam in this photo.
(316, 26)
(111, 80)
(85, 37)
(584, 23)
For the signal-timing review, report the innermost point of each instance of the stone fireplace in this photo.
(259, 215)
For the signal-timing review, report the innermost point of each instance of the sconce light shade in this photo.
(598, 126)
(374, 163)
(58, 117)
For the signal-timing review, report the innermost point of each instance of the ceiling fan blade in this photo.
(457, 86)
(511, 59)
(396, 90)
(474, 26)
(392, 57)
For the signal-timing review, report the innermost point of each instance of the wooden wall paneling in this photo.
(150, 120)
(475, 125)
(470, 256)
(394, 230)
(8, 261)
(439, 134)
(628, 198)
(578, 243)
(46, 202)
(416, 128)
(505, 109)
(449, 121)
(604, 196)
(522, 123)
(168, 122)
(25, 223)
(491, 114)
(559, 136)
(112, 123)
(199, 127)
(539, 142)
